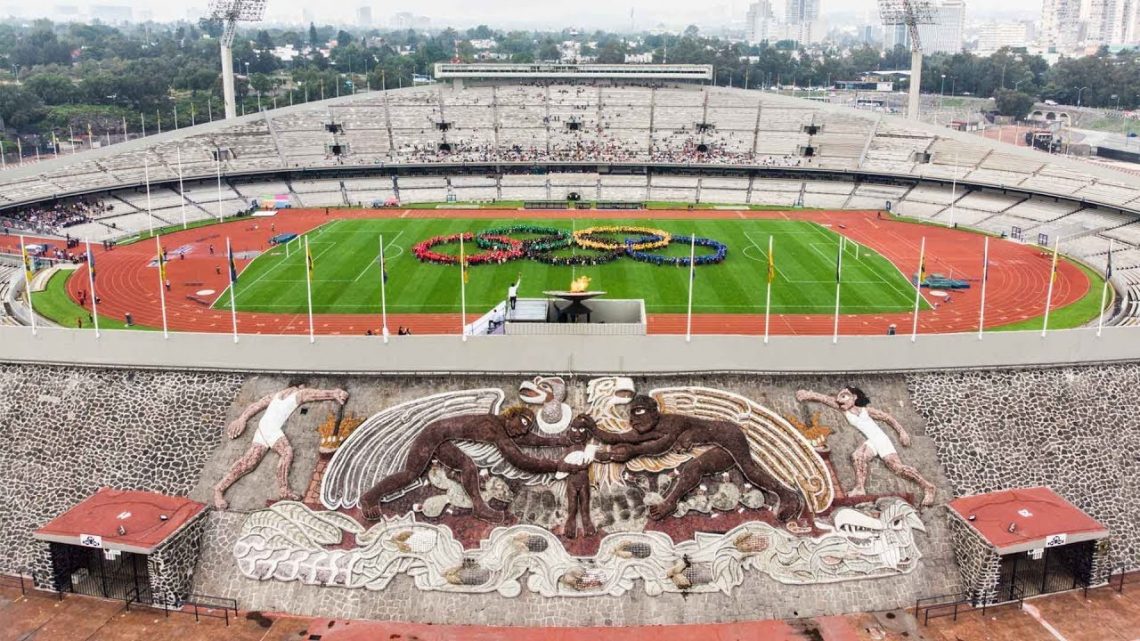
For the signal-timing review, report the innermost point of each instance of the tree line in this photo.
(62, 78)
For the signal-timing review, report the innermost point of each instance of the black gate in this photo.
(124, 577)
(1062, 568)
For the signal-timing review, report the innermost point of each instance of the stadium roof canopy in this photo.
(449, 70)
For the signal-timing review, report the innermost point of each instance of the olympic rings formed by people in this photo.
(649, 238)
(706, 259)
(550, 238)
(500, 247)
(506, 249)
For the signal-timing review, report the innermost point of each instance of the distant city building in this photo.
(995, 35)
(364, 16)
(405, 20)
(802, 20)
(1112, 22)
(1061, 25)
(111, 14)
(761, 21)
(638, 58)
(944, 36)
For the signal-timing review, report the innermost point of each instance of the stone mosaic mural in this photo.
(684, 489)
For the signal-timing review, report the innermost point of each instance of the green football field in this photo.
(347, 274)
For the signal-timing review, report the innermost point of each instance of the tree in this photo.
(1015, 104)
(19, 108)
(264, 42)
(612, 53)
(52, 88)
(549, 51)
(314, 41)
(343, 38)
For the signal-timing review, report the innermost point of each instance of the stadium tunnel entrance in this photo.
(1016, 544)
(138, 547)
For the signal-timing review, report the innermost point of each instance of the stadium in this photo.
(770, 280)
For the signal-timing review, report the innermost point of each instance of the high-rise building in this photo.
(802, 20)
(945, 35)
(405, 20)
(761, 22)
(1113, 22)
(1060, 25)
(364, 16)
(995, 35)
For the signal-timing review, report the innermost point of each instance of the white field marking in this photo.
(1032, 611)
(904, 293)
(784, 276)
(282, 262)
(387, 256)
(802, 282)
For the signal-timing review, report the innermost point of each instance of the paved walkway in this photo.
(1104, 616)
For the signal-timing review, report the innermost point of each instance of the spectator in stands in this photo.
(55, 218)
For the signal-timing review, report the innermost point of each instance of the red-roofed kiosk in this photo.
(1023, 542)
(125, 544)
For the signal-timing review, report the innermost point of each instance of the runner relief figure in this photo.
(855, 405)
(270, 435)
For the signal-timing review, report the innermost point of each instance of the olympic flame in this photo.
(580, 284)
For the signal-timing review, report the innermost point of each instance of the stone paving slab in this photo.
(1104, 616)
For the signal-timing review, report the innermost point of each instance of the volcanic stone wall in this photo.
(171, 567)
(66, 432)
(1074, 429)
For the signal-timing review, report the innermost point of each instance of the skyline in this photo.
(507, 14)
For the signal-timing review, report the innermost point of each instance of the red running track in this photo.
(1019, 276)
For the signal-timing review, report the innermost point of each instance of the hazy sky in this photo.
(505, 13)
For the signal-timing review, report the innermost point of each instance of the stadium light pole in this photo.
(229, 13)
(910, 13)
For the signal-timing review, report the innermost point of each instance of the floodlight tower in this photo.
(231, 12)
(910, 13)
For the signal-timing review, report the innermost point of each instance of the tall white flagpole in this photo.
(220, 185)
(692, 272)
(26, 260)
(768, 297)
(462, 290)
(1103, 291)
(232, 268)
(838, 278)
(1052, 279)
(918, 288)
(309, 288)
(91, 284)
(954, 193)
(181, 189)
(383, 293)
(161, 285)
(985, 281)
(146, 178)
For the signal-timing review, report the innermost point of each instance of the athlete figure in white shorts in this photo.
(855, 406)
(270, 435)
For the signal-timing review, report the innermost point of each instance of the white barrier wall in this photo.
(566, 354)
